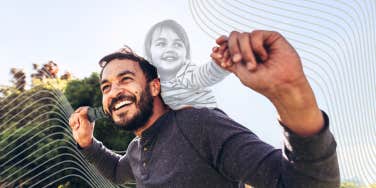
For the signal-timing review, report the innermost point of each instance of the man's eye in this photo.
(126, 78)
(105, 88)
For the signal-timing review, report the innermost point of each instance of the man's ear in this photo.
(155, 87)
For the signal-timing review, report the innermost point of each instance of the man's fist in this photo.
(265, 62)
(262, 60)
(82, 128)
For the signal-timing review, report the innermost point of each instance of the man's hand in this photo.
(265, 62)
(82, 128)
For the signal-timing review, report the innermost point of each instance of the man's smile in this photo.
(121, 102)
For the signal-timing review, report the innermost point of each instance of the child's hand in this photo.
(221, 54)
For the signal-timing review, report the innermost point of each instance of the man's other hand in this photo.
(82, 128)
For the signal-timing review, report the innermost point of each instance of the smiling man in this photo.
(130, 107)
(204, 147)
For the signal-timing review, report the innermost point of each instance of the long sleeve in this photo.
(304, 162)
(205, 75)
(240, 156)
(310, 160)
(111, 165)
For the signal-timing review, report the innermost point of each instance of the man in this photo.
(204, 147)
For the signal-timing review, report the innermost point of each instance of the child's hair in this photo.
(175, 27)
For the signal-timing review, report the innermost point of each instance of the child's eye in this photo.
(178, 45)
(161, 44)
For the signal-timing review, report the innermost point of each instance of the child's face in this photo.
(168, 52)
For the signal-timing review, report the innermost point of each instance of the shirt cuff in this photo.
(89, 152)
(311, 148)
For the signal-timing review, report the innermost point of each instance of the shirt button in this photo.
(144, 164)
(145, 148)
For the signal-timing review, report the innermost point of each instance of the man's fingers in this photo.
(227, 59)
(259, 40)
(82, 112)
(220, 40)
(232, 67)
(247, 51)
(233, 46)
(73, 122)
(226, 55)
(77, 117)
(78, 110)
(222, 48)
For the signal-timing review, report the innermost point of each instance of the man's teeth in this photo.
(121, 104)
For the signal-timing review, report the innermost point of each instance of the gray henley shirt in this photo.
(205, 148)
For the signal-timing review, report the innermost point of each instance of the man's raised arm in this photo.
(265, 62)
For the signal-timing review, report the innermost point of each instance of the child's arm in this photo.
(209, 73)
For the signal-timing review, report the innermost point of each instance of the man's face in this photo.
(126, 95)
(168, 52)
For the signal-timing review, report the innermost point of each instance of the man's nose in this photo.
(115, 90)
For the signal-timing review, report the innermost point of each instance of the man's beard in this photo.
(145, 110)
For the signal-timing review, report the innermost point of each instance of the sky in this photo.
(335, 39)
(77, 34)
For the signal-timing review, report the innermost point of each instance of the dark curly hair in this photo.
(147, 68)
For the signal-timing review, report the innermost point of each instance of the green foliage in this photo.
(36, 145)
(33, 138)
(84, 92)
(50, 83)
(19, 78)
(349, 185)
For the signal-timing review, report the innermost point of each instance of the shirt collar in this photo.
(154, 129)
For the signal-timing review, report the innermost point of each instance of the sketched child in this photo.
(183, 83)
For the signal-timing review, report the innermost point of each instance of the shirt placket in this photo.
(145, 158)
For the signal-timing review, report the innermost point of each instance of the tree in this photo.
(33, 139)
(48, 70)
(19, 78)
(36, 145)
